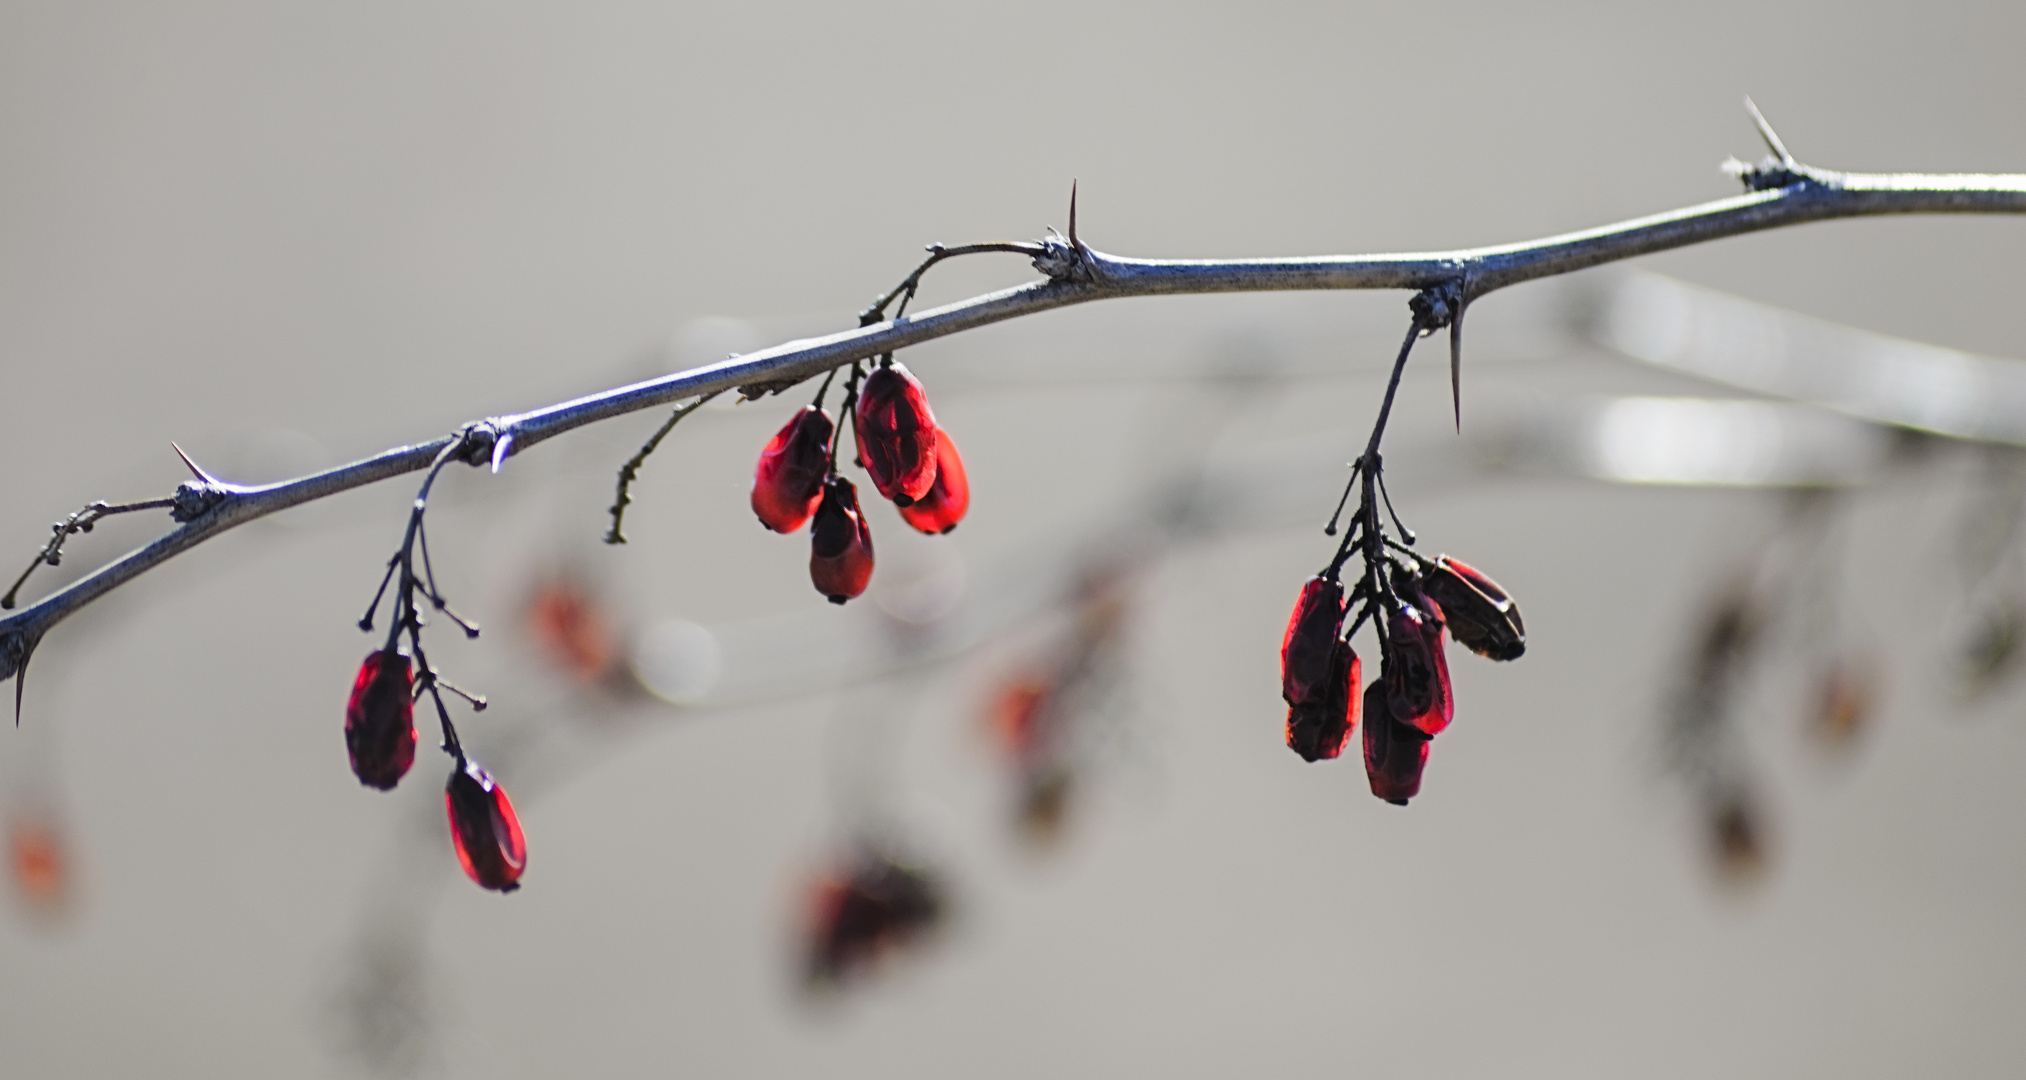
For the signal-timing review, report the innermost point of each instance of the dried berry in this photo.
(1306, 647)
(1479, 614)
(484, 828)
(380, 720)
(840, 545)
(1320, 726)
(948, 498)
(789, 478)
(1415, 673)
(1395, 753)
(896, 434)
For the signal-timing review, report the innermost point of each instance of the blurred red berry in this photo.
(1415, 673)
(1479, 614)
(948, 498)
(840, 545)
(1306, 648)
(380, 720)
(484, 828)
(789, 478)
(866, 911)
(896, 434)
(1320, 726)
(571, 631)
(1395, 754)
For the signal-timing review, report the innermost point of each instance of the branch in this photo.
(1782, 193)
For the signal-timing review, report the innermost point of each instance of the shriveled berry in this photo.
(1480, 615)
(896, 434)
(484, 828)
(1306, 647)
(1321, 726)
(1395, 753)
(1415, 673)
(840, 544)
(789, 478)
(948, 498)
(380, 720)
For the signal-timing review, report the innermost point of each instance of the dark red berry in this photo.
(380, 720)
(1479, 614)
(860, 913)
(484, 828)
(840, 545)
(789, 478)
(1415, 673)
(1320, 727)
(1306, 646)
(1395, 754)
(948, 498)
(896, 434)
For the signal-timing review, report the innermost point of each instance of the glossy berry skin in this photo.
(1395, 753)
(840, 544)
(484, 828)
(1306, 647)
(948, 498)
(380, 720)
(1320, 727)
(896, 434)
(1416, 675)
(1480, 616)
(789, 479)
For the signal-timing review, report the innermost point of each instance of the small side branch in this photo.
(631, 470)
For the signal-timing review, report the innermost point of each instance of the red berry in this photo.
(1306, 648)
(380, 720)
(1479, 614)
(484, 828)
(1320, 727)
(861, 913)
(1395, 754)
(840, 545)
(896, 434)
(948, 498)
(1416, 674)
(789, 478)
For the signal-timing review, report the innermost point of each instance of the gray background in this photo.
(286, 236)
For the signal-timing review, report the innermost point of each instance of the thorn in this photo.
(500, 449)
(21, 681)
(1773, 142)
(1073, 241)
(192, 466)
(1456, 363)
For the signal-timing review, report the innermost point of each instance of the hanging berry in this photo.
(1320, 726)
(789, 479)
(380, 720)
(1306, 648)
(896, 434)
(948, 498)
(484, 828)
(1415, 673)
(861, 913)
(1479, 614)
(840, 544)
(1395, 753)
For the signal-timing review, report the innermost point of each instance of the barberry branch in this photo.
(1780, 192)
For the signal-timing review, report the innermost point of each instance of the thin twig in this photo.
(631, 470)
(1080, 274)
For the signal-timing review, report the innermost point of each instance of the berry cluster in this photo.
(1410, 703)
(1413, 603)
(911, 461)
(380, 717)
